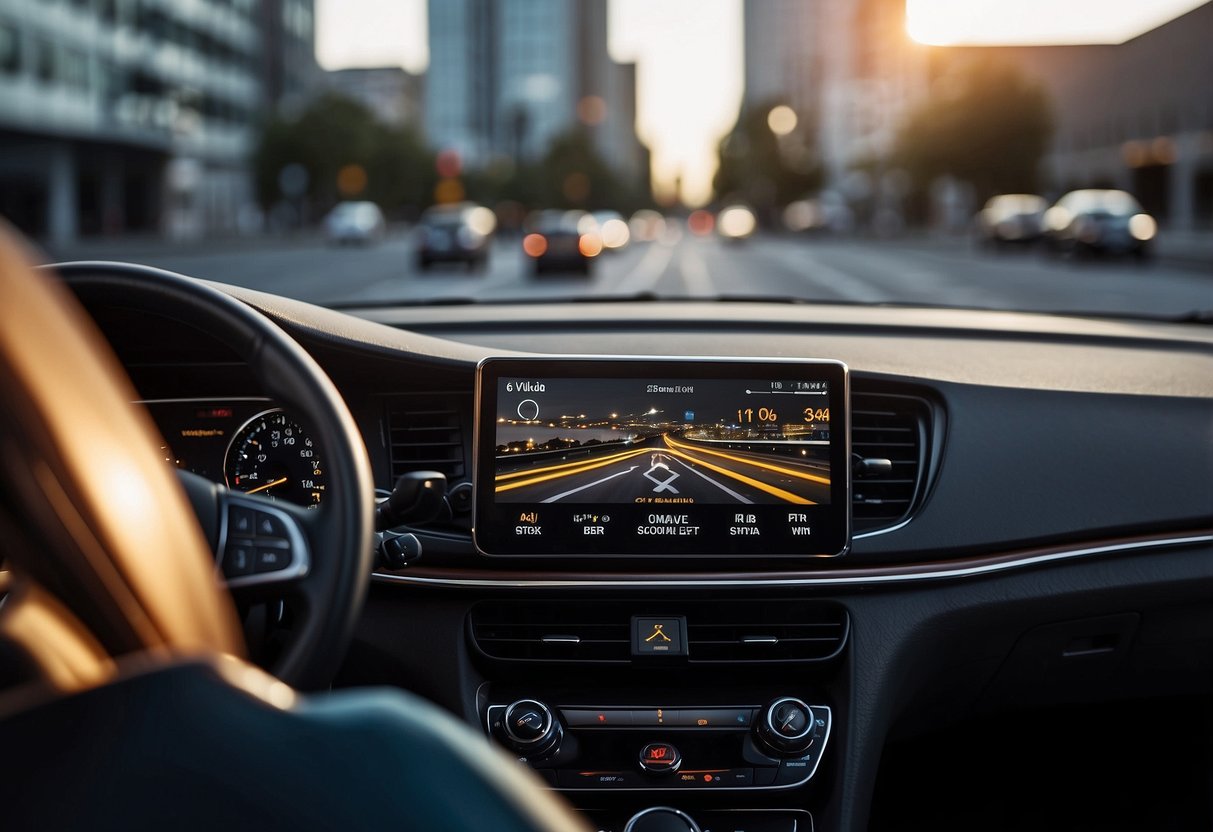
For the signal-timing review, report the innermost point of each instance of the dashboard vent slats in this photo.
(739, 632)
(530, 632)
(766, 632)
(426, 433)
(893, 427)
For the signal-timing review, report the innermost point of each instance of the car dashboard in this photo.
(1041, 537)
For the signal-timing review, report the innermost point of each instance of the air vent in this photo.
(893, 427)
(426, 433)
(889, 427)
(552, 632)
(763, 631)
(600, 631)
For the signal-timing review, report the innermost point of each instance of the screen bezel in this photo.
(835, 538)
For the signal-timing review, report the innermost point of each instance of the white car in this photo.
(354, 222)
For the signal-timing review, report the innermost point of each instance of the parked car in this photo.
(355, 222)
(461, 233)
(562, 240)
(1011, 219)
(1104, 222)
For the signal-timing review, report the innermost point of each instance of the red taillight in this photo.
(590, 245)
(701, 222)
(535, 244)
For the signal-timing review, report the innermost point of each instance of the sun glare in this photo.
(990, 22)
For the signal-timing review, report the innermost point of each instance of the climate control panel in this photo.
(578, 747)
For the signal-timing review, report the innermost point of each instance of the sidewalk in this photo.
(134, 247)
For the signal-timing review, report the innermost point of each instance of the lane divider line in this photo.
(756, 463)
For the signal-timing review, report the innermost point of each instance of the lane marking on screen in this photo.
(738, 497)
(532, 471)
(573, 491)
(774, 491)
(558, 474)
(745, 461)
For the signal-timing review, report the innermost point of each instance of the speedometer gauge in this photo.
(272, 455)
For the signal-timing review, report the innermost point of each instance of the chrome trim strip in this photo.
(843, 580)
(877, 532)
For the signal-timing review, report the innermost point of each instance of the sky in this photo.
(689, 54)
(990, 22)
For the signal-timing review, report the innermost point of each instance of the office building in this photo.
(507, 78)
(460, 81)
(122, 116)
(1136, 115)
(289, 72)
(845, 66)
(783, 54)
(391, 93)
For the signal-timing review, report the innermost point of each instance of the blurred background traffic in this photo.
(867, 151)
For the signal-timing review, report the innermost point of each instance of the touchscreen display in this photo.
(655, 458)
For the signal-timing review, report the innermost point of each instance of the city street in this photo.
(857, 270)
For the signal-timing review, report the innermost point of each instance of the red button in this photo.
(660, 758)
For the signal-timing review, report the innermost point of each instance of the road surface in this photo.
(665, 467)
(856, 270)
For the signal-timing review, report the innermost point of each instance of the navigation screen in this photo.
(661, 457)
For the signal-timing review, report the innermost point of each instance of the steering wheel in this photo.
(112, 611)
(318, 560)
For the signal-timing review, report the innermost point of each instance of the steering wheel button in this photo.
(237, 561)
(268, 525)
(272, 560)
(240, 521)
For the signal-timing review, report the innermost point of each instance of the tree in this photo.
(985, 123)
(763, 169)
(571, 174)
(400, 170)
(336, 132)
(574, 175)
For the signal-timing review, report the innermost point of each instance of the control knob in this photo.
(529, 729)
(661, 819)
(785, 726)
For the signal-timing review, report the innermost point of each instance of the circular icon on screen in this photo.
(528, 410)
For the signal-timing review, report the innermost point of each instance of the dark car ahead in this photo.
(459, 233)
(1011, 219)
(562, 241)
(1099, 222)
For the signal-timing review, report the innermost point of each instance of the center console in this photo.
(739, 714)
(675, 706)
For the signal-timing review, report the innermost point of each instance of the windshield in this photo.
(1035, 156)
